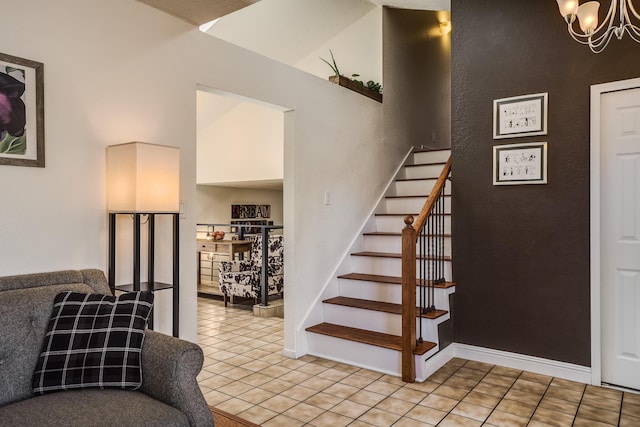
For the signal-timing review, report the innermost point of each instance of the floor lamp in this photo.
(143, 180)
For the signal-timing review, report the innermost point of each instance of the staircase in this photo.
(363, 325)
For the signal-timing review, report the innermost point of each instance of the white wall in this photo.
(244, 143)
(117, 71)
(357, 50)
(213, 204)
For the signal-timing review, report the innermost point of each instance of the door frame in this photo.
(596, 340)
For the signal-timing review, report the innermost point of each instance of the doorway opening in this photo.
(240, 171)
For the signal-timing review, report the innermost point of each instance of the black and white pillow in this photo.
(93, 340)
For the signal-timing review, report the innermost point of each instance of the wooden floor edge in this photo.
(225, 419)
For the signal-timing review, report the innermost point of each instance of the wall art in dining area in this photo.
(250, 211)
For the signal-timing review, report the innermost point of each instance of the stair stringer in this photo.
(330, 289)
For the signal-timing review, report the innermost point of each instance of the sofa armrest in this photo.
(169, 369)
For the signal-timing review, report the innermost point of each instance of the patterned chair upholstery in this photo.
(242, 278)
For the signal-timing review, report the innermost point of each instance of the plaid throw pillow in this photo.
(93, 341)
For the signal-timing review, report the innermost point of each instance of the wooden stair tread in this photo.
(385, 307)
(425, 164)
(415, 179)
(417, 196)
(392, 342)
(394, 280)
(427, 150)
(392, 255)
(412, 214)
(389, 233)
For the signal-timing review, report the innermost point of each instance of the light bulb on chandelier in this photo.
(598, 37)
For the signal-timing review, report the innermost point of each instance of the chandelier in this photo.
(598, 37)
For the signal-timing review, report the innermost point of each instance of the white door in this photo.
(620, 237)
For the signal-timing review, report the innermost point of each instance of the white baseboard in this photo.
(435, 362)
(523, 362)
(289, 353)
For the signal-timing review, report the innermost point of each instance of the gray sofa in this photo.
(169, 395)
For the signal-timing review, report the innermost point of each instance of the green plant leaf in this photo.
(13, 144)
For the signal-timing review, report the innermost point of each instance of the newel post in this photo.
(408, 300)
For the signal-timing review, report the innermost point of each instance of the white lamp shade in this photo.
(588, 16)
(568, 7)
(143, 177)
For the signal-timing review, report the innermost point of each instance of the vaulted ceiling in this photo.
(198, 12)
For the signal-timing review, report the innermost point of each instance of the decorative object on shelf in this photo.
(598, 37)
(22, 119)
(371, 89)
(218, 235)
(520, 116)
(143, 180)
(515, 164)
(250, 211)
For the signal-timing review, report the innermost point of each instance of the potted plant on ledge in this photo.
(371, 89)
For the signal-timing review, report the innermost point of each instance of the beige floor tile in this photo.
(317, 383)
(303, 412)
(283, 421)
(470, 373)
(560, 393)
(382, 387)
(410, 422)
(426, 414)
(299, 392)
(491, 389)
(552, 418)
(277, 386)
(275, 371)
(234, 405)
(516, 408)
(341, 390)
(462, 383)
(585, 422)
(632, 398)
(600, 402)
(523, 397)
(256, 395)
(557, 405)
(397, 406)
(410, 395)
(451, 392)
(482, 399)
(324, 401)
(439, 377)
(597, 414)
(503, 419)
(330, 419)
(537, 378)
(279, 403)
(216, 381)
(256, 379)
(607, 393)
(257, 415)
(358, 423)
(295, 377)
(468, 410)
(235, 388)
(357, 380)
(500, 380)
(216, 397)
(568, 385)
(439, 402)
(453, 420)
(350, 409)
(506, 372)
(312, 368)
(426, 386)
(630, 409)
(629, 421)
(366, 397)
(530, 386)
(478, 366)
(379, 418)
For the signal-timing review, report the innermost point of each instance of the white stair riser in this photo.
(363, 355)
(411, 205)
(387, 266)
(386, 323)
(395, 224)
(412, 188)
(388, 292)
(423, 171)
(393, 244)
(431, 156)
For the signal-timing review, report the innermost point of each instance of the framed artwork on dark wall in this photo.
(21, 112)
(520, 116)
(515, 164)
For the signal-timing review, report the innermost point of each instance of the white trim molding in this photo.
(596, 345)
(523, 362)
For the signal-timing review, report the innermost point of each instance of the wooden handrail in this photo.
(433, 197)
(409, 237)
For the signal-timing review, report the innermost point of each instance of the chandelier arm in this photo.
(591, 39)
(599, 44)
(633, 11)
(633, 31)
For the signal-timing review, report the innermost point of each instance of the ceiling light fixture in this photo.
(598, 37)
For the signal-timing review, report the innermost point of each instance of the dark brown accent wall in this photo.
(417, 79)
(521, 253)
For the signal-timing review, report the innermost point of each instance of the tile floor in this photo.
(245, 374)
